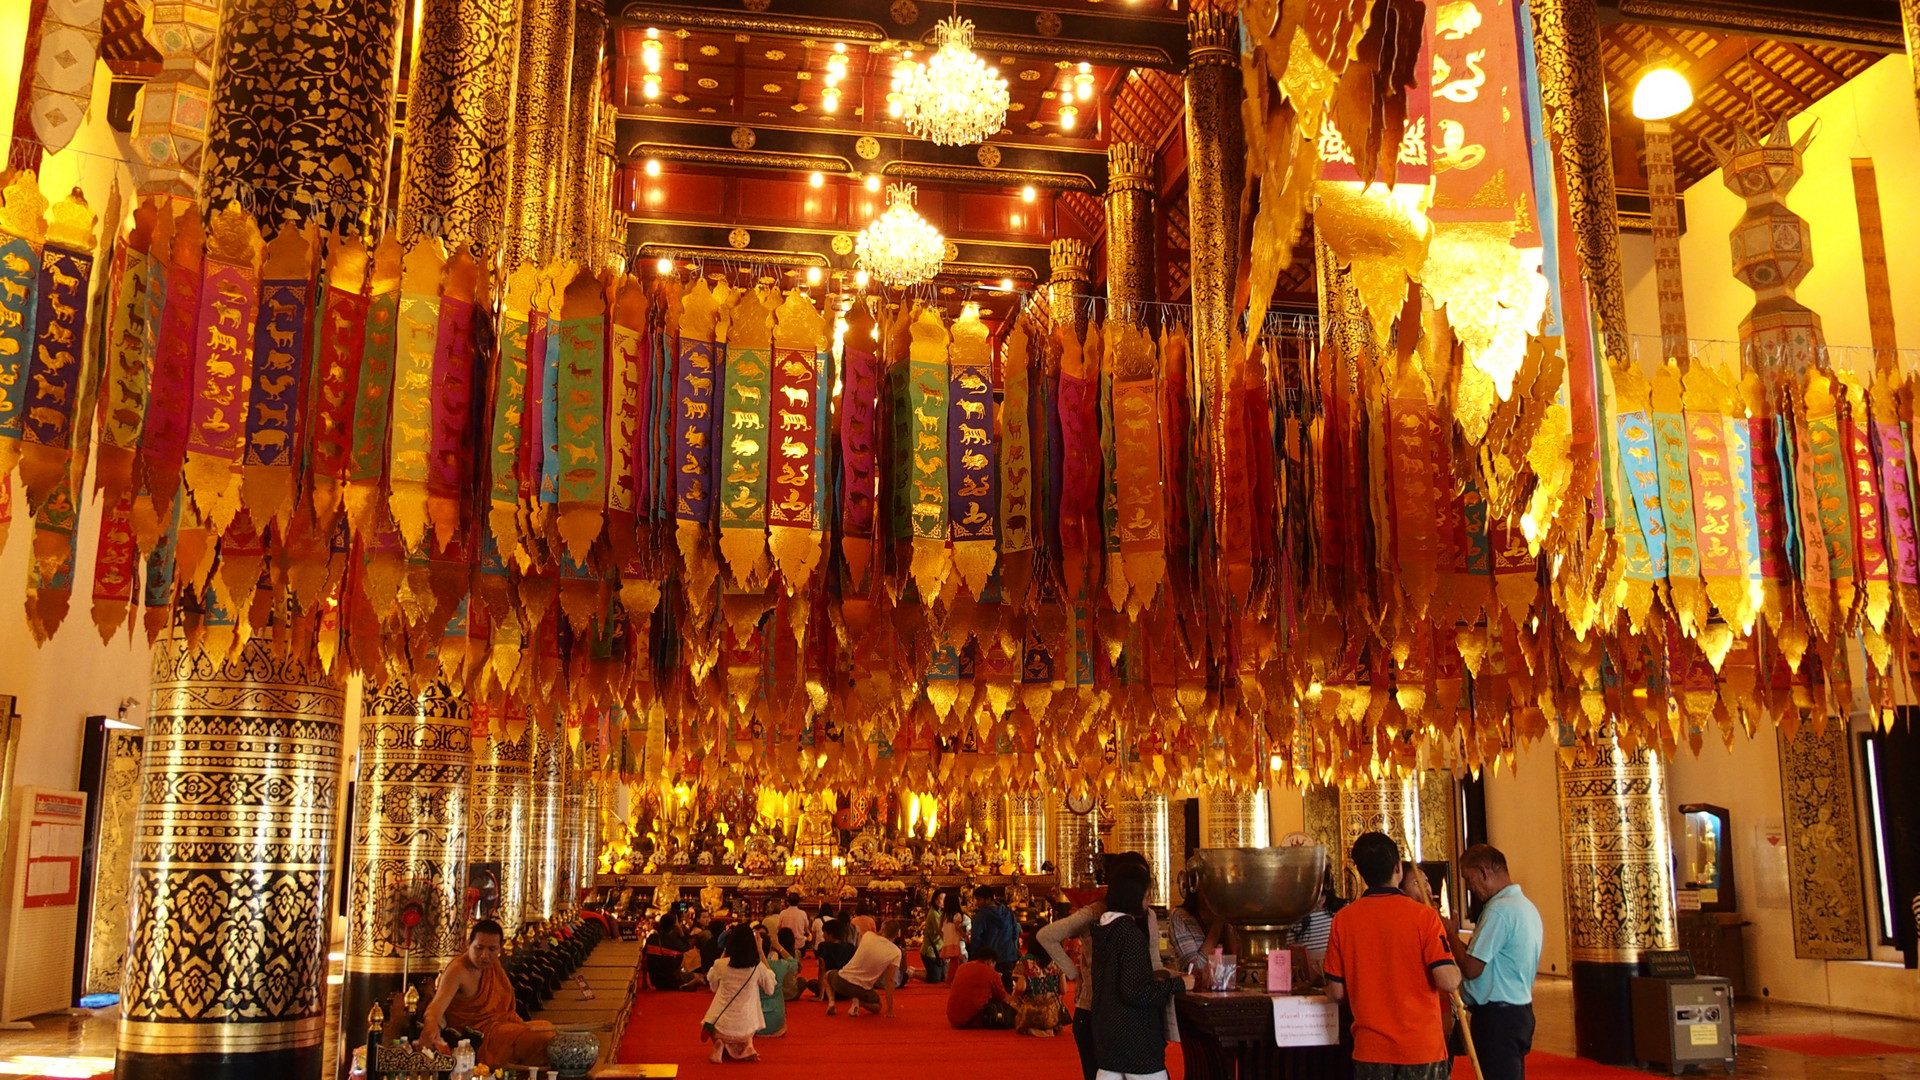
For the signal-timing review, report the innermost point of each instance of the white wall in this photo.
(1523, 821)
(73, 675)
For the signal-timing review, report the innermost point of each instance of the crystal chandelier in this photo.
(899, 247)
(954, 99)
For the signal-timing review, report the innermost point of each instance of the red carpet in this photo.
(665, 1028)
(1826, 1045)
(1554, 1067)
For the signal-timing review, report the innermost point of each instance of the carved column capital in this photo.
(1129, 167)
(1213, 38)
(1071, 260)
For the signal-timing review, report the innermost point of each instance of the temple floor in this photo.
(664, 1029)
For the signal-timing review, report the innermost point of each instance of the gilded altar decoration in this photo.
(1824, 876)
(954, 98)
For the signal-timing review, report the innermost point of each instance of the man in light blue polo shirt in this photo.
(1499, 964)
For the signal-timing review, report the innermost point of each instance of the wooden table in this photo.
(1229, 1036)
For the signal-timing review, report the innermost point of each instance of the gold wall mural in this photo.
(1824, 878)
(112, 861)
(233, 849)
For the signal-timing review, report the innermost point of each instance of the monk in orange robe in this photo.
(475, 992)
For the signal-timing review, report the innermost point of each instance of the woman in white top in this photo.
(738, 980)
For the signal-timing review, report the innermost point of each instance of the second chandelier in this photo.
(954, 99)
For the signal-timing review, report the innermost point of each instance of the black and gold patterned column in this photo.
(499, 822)
(232, 854)
(1237, 819)
(1910, 22)
(546, 820)
(1618, 856)
(1028, 834)
(409, 846)
(301, 121)
(539, 136)
(1072, 264)
(1074, 836)
(453, 173)
(573, 827)
(592, 791)
(576, 211)
(1573, 92)
(1130, 267)
(1140, 824)
(1216, 171)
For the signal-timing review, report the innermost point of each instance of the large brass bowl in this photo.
(1261, 891)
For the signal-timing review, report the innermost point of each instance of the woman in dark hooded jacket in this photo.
(1129, 996)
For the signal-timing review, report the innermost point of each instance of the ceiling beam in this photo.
(1872, 25)
(1117, 37)
(739, 146)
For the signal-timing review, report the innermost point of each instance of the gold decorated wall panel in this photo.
(1824, 876)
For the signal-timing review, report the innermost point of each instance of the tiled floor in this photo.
(83, 1045)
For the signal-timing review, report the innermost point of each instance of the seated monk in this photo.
(475, 992)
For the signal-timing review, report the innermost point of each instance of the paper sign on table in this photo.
(1305, 1021)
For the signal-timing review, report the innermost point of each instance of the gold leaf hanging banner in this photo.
(1139, 471)
(582, 332)
(1676, 500)
(223, 365)
(373, 398)
(1869, 537)
(61, 350)
(971, 473)
(743, 438)
(927, 454)
(697, 406)
(509, 414)
(410, 438)
(276, 411)
(23, 231)
(793, 519)
(1833, 501)
(336, 375)
(131, 333)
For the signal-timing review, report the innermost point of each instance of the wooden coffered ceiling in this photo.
(738, 114)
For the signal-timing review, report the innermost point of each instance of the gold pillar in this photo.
(1140, 824)
(498, 824)
(409, 846)
(1130, 267)
(1027, 832)
(1238, 819)
(588, 863)
(1618, 857)
(985, 816)
(1910, 21)
(1216, 172)
(546, 821)
(1573, 90)
(301, 121)
(1073, 845)
(1072, 265)
(453, 171)
(1664, 207)
(536, 163)
(233, 856)
(1417, 811)
(573, 826)
(576, 211)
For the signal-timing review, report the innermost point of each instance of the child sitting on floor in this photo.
(1036, 984)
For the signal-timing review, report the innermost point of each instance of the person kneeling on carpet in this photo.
(739, 980)
(977, 998)
(875, 962)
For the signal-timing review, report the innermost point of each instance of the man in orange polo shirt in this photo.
(1390, 957)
